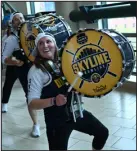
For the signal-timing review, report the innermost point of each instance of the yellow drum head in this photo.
(97, 56)
(28, 33)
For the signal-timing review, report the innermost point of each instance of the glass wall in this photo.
(125, 25)
(44, 6)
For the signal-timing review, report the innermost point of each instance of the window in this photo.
(44, 6)
(2, 14)
(127, 26)
(124, 25)
(28, 8)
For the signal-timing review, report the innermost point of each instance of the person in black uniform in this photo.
(45, 93)
(12, 56)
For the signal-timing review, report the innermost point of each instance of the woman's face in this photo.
(46, 48)
(17, 20)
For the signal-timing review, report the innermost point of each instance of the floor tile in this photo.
(125, 144)
(117, 111)
(81, 145)
(126, 133)
(82, 136)
(134, 139)
(126, 115)
(14, 129)
(8, 140)
(118, 121)
(72, 141)
(111, 140)
(27, 144)
(134, 127)
(7, 148)
(112, 128)
(109, 148)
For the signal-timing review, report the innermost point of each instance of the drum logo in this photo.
(92, 60)
(30, 42)
(82, 38)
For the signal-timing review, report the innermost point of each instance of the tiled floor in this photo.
(116, 110)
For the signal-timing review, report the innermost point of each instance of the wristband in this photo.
(53, 101)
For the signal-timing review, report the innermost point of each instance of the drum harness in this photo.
(76, 99)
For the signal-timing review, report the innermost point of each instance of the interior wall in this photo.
(64, 9)
(19, 6)
(84, 24)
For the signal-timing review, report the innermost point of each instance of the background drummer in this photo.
(11, 48)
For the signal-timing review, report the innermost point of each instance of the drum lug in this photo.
(60, 17)
(119, 46)
(67, 83)
(81, 30)
(114, 88)
(123, 61)
(128, 77)
(124, 65)
(101, 30)
(64, 42)
(59, 64)
(63, 78)
(119, 84)
(129, 62)
(123, 69)
(125, 79)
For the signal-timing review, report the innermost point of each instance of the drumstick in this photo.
(79, 74)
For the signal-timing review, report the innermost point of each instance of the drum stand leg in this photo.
(76, 98)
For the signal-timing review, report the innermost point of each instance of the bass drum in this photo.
(27, 35)
(47, 23)
(105, 57)
(57, 26)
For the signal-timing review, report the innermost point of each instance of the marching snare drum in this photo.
(47, 23)
(105, 57)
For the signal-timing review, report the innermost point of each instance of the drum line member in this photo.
(43, 93)
(11, 48)
(4, 37)
(5, 22)
(10, 77)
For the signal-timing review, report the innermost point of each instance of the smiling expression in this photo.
(17, 20)
(46, 48)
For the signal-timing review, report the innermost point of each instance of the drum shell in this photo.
(119, 50)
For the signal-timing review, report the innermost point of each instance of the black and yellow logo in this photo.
(92, 61)
(59, 82)
(97, 56)
(28, 33)
(30, 42)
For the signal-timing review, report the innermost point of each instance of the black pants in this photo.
(58, 137)
(12, 74)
